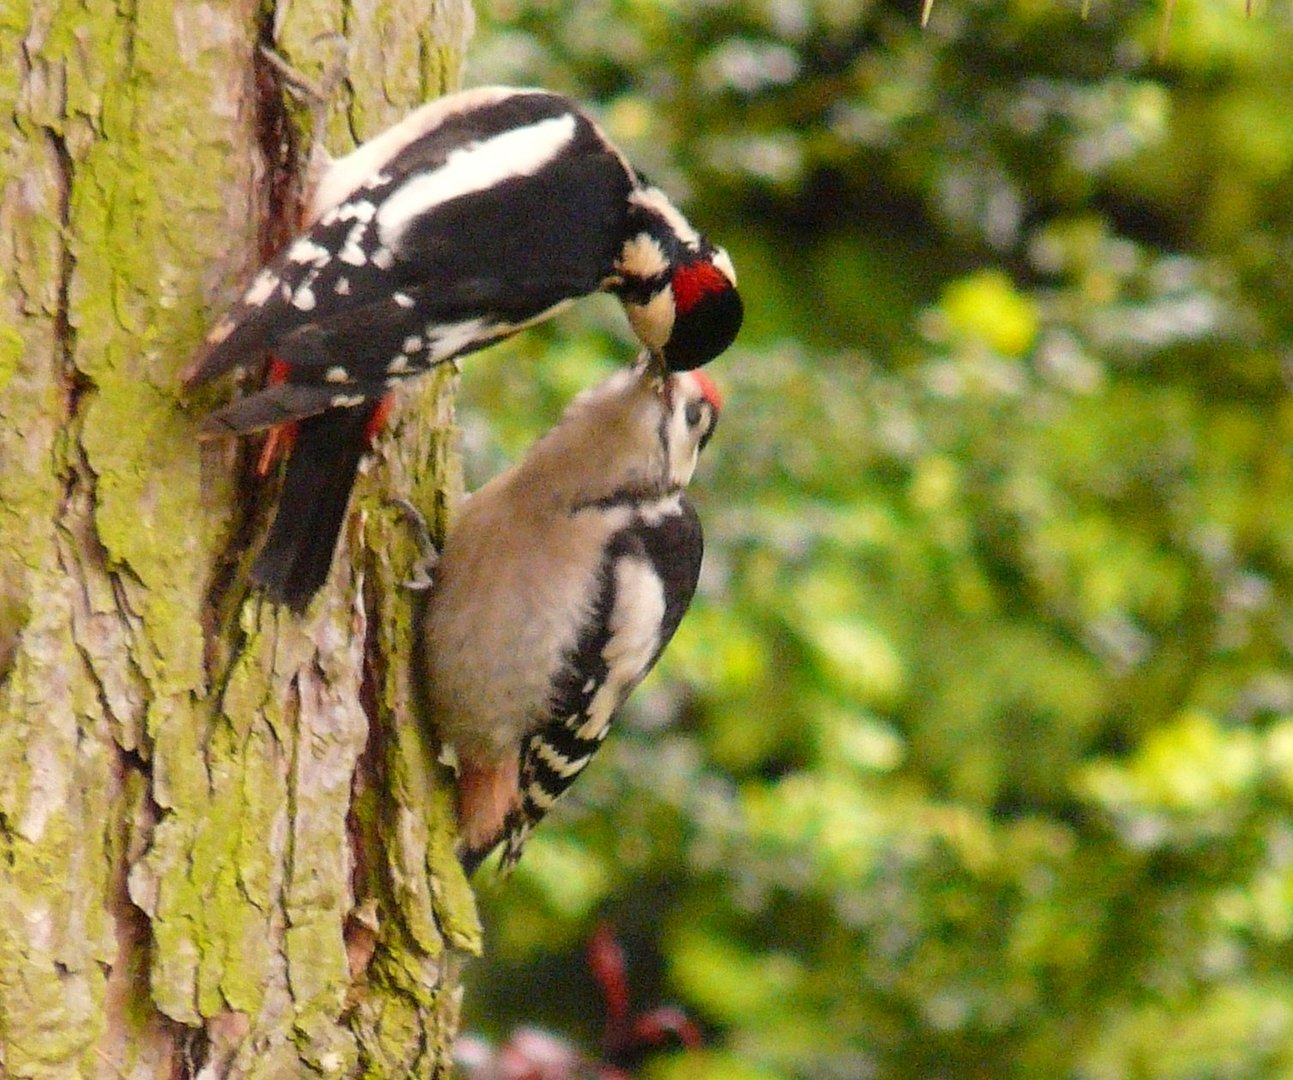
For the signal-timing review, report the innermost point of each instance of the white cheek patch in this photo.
(521, 152)
(643, 258)
(653, 321)
(683, 445)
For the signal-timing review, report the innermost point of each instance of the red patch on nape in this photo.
(692, 281)
(708, 389)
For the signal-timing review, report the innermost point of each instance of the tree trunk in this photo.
(225, 846)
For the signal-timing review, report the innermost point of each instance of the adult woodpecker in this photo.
(559, 585)
(477, 215)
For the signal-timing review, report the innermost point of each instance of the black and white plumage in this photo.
(559, 585)
(477, 215)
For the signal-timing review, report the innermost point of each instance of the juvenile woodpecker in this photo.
(477, 215)
(558, 587)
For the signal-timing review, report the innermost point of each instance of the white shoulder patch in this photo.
(347, 174)
(634, 637)
(520, 152)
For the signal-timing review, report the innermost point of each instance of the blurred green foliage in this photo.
(975, 756)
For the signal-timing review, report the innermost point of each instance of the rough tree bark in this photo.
(225, 847)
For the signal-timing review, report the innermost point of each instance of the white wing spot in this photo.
(398, 366)
(362, 211)
(342, 287)
(413, 344)
(351, 252)
(306, 250)
(347, 174)
(221, 330)
(345, 401)
(304, 298)
(383, 258)
(337, 374)
(403, 299)
(261, 288)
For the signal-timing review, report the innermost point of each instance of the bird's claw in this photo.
(318, 91)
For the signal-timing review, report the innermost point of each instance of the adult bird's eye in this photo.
(695, 410)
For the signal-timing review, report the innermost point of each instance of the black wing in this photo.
(416, 266)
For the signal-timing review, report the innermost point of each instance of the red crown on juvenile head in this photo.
(708, 389)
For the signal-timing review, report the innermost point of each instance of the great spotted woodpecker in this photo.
(558, 587)
(478, 214)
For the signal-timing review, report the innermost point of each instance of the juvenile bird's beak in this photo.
(653, 360)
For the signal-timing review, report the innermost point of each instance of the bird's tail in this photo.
(325, 453)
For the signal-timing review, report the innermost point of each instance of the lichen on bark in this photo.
(224, 841)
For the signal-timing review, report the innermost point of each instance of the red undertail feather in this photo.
(377, 422)
(486, 795)
(279, 441)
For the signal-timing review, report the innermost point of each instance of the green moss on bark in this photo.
(175, 795)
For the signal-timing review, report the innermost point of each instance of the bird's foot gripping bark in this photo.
(317, 94)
